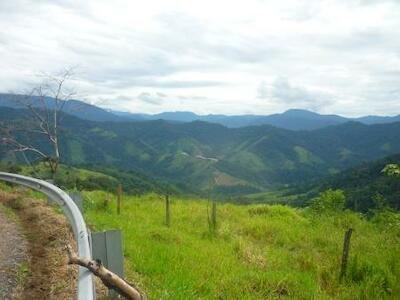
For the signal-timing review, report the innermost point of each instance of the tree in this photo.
(329, 201)
(392, 170)
(380, 203)
(39, 133)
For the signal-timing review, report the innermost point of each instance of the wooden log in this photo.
(109, 279)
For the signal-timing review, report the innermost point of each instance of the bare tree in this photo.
(44, 106)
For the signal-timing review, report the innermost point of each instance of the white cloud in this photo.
(333, 56)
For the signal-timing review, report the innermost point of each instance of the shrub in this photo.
(387, 220)
(392, 170)
(278, 211)
(329, 201)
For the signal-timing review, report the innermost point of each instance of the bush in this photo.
(392, 170)
(387, 220)
(329, 201)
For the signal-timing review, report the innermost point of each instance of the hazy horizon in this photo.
(116, 110)
(254, 114)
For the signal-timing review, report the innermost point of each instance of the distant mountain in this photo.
(378, 119)
(297, 119)
(235, 160)
(293, 119)
(180, 116)
(76, 108)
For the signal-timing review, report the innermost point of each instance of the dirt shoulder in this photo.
(44, 233)
(13, 253)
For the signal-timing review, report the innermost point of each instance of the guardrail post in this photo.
(107, 247)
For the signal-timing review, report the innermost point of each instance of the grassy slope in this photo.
(259, 252)
(42, 171)
(93, 178)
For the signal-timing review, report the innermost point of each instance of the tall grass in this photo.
(257, 251)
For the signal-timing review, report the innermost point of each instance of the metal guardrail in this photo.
(85, 280)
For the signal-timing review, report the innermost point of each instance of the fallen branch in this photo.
(110, 280)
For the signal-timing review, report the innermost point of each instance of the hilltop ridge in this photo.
(292, 119)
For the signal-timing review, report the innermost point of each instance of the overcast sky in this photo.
(232, 57)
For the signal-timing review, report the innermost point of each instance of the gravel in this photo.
(13, 252)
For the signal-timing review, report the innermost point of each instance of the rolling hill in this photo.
(232, 160)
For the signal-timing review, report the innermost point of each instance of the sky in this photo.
(231, 57)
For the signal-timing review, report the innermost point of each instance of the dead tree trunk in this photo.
(110, 280)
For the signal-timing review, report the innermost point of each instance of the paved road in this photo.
(13, 251)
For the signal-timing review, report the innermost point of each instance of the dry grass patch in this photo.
(47, 275)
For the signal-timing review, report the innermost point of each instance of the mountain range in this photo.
(293, 119)
(200, 154)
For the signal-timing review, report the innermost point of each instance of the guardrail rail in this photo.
(86, 289)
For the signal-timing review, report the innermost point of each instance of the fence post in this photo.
(167, 211)
(119, 195)
(214, 215)
(345, 254)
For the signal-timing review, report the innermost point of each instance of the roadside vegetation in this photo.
(256, 252)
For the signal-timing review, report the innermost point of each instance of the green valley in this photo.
(198, 155)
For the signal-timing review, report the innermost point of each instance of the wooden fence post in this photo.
(167, 211)
(119, 195)
(345, 254)
(214, 215)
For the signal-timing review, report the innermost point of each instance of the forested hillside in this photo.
(200, 154)
(365, 186)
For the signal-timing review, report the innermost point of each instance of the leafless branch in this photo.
(19, 147)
